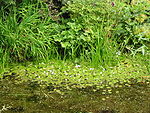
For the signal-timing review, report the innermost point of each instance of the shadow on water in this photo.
(30, 97)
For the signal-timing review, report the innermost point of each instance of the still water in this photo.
(30, 97)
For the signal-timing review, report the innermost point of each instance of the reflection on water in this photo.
(29, 97)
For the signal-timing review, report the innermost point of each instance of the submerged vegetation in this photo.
(63, 46)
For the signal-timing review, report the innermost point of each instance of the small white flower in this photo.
(91, 68)
(52, 73)
(104, 69)
(118, 53)
(50, 70)
(77, 66)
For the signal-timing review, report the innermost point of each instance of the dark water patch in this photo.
(10, 76)
(17, 109)
(50, 87)
(107, 111)
(33, 85)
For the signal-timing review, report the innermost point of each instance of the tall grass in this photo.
(103, 52)
(24, 34)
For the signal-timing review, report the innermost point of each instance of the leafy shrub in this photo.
(86, 32)
(132, 28)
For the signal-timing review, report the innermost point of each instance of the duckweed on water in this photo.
(67, 75)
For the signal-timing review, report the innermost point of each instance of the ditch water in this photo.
(30, 97)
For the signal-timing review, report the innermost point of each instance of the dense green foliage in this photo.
(133, 26)
(91, 30)
(101, 47)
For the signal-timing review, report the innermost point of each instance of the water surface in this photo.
(30, 97)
